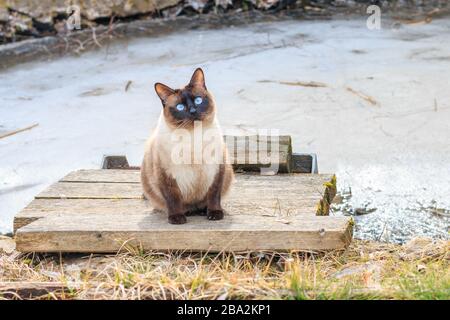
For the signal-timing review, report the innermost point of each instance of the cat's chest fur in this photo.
(193, 180)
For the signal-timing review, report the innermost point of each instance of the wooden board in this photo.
(99, 210)
(250, 153)
(253, 152)
(109, 233)
(119, 191)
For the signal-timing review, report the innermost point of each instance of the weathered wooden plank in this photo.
(82, 190)
(304, 163)
(250, 194)
(299, 186)
(119, 191)
(99, 210)
(110, 175)
(248, 153)
(115, 162)
(253, 152)
(40, 208)
(133, 176)
(87, 190)
(100, 233)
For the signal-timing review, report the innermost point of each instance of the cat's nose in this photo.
(192, 110)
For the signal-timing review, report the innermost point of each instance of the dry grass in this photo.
(367, 270)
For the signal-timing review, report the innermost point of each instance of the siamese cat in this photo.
(192, 186)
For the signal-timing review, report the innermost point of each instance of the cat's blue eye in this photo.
(180, 107)
(198, 100)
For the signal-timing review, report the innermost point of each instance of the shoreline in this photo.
(101, 36)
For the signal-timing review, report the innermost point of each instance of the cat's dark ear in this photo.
(163, 91)
(198, 79)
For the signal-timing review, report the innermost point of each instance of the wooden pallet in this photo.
(103, 211)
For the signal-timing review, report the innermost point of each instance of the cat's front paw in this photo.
(214, 214)
(177, 219)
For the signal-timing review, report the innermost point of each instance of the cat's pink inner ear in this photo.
(163, 91)
(198, 79)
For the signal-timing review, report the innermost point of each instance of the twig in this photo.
(18, 131)
(311, 84)
(127, 86)
(109, 35)
(418, 22)
(369, 99)
(427, 18)
(94, 37)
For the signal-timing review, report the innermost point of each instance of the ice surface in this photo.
(394, 155)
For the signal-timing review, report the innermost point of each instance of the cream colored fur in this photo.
(193, 180)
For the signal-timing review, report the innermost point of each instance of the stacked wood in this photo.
(259, 152)
(256, 153)
(103, 211)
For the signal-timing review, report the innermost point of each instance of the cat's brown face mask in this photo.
(182, 107)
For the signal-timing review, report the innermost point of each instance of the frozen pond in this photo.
(381, 121)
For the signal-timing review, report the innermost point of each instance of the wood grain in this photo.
(119, 191)
(253, 152)
(100, 210)
(133, 176)
(107, 233)
(110, 175)
(40, 208)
